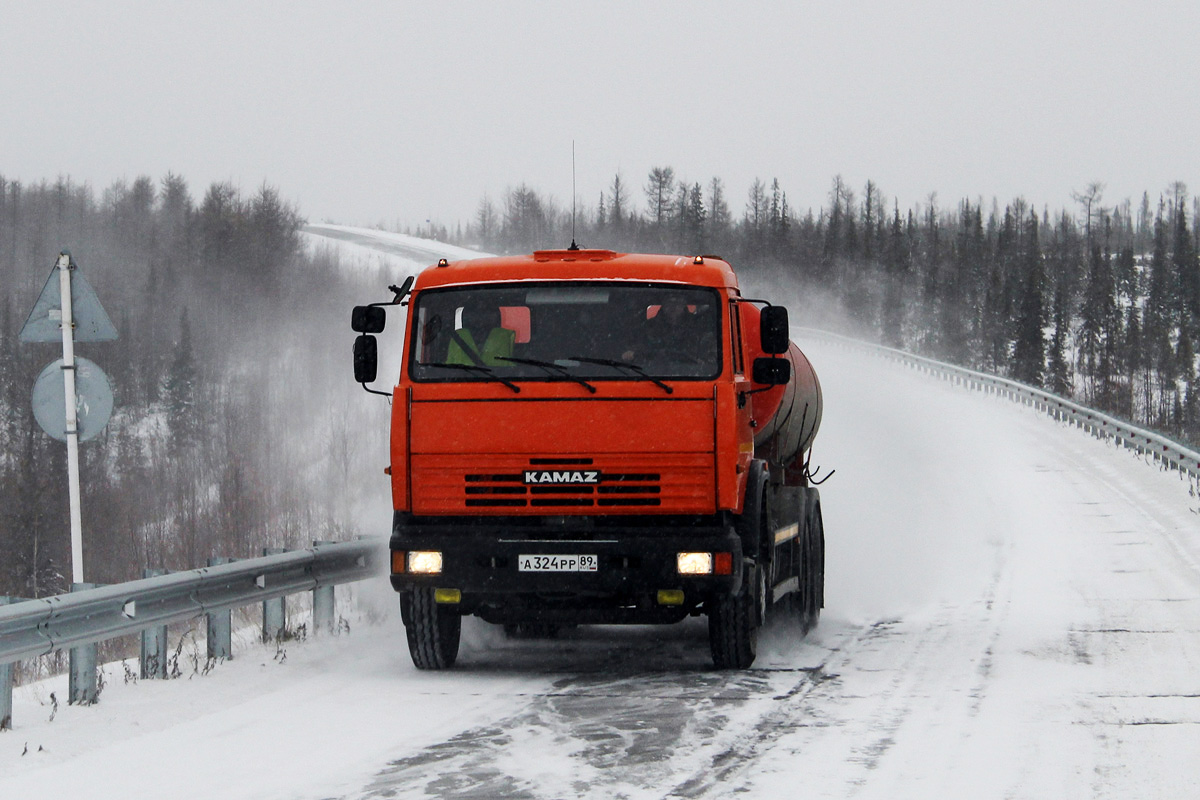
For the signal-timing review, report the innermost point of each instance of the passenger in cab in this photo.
(481, 341)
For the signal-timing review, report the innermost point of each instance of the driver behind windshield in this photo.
(675, 333)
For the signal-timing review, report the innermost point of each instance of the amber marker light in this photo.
(722, 563)
(398, 560)
(447, 596)
(694, 563)
(425, 562)
(670, 597)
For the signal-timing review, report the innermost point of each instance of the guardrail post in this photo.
(6, 683)
(274, 612)
(154, 642)
(323, 604)
(220, 625)
(81, 687)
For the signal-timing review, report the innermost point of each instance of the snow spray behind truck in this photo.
(584, 436)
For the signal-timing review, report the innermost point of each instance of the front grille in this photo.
(566, 486)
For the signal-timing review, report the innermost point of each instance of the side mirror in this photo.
(773, 330)
(367, 319)
(366, 359)
(772, 371)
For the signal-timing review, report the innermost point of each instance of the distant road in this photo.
(399, 244)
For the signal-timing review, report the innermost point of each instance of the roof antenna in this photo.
(573, 245)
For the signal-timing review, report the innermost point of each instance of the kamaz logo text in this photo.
(564, 476)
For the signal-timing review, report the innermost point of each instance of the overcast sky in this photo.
(399, 112)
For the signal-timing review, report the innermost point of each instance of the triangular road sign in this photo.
(45, 321)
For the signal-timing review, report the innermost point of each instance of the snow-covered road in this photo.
(1013, 610)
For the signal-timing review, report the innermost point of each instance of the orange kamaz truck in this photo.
(585, 436)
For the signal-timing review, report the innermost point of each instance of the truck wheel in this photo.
(732, 629)
(812, 584)
(819, 564)
(801, 598)
(433, 630)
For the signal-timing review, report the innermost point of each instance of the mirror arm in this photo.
(400, 293)
(766, 303)
(749, 392)
(375, 391)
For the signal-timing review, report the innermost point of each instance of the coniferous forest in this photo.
(1098, 301)
(231, 430)
(237, 424)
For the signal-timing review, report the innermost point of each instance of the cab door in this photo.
(734, 431)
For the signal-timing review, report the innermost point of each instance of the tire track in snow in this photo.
(790, 712)
(898, 680)
(622, 732)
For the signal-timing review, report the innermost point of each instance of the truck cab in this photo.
(573, 442)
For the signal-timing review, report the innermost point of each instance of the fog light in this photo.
(425, 562)
(670, 597)
(694, 563)
(448, 596)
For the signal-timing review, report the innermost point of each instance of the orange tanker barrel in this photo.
(787, 416)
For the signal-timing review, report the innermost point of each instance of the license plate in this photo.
(543, 563)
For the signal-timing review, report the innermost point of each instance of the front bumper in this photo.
(635, 563)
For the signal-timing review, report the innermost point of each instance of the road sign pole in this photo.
(68, 341)
(68, 309)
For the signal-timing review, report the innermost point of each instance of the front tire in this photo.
(434, 631)
(733, 625)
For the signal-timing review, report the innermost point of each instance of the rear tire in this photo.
(732, 625)
(434, 631)
(801, 606)
(812, 579)
(819, 564)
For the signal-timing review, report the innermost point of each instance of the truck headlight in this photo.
(694, 563)
(425, 562)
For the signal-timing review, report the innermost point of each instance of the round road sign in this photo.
(93, 400)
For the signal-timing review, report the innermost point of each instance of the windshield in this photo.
(566, 331)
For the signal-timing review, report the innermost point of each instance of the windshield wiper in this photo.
(608, 362)
(550, 366)
(482, 370)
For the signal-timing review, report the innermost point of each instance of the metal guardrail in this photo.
(1175, 455)
(32, 628)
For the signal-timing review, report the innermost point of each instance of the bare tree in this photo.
(1090, 199)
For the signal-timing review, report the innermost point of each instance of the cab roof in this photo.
(551, 265)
